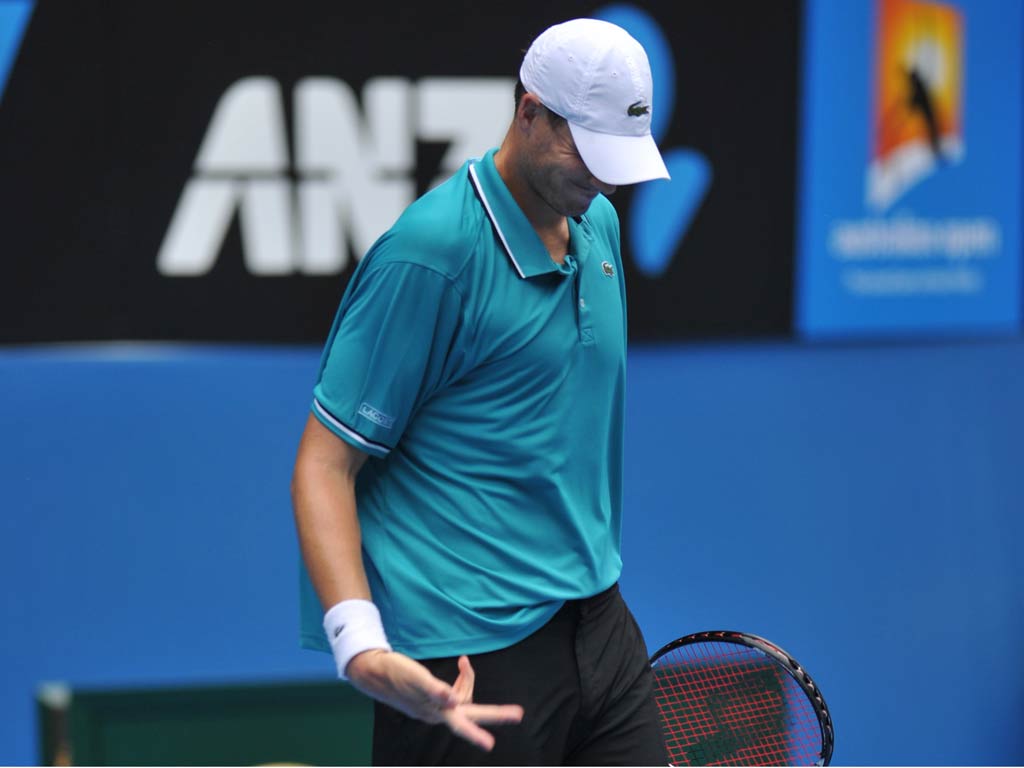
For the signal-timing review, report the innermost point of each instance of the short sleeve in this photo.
(389, 349)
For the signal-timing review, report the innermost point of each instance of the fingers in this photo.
(410, 687)
(466, 729)
(464, 720)
(463, 686)
(438, 693)
(494, 714)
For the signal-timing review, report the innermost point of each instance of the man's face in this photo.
(556, 172)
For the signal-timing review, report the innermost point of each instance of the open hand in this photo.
(409, 687)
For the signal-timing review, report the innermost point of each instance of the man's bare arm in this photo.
(324, 502)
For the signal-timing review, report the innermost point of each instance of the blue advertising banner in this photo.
(910, 177)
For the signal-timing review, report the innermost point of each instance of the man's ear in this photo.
(530, 110)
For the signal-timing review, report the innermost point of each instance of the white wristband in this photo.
(353, 626)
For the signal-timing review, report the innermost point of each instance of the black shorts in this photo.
(583, 681)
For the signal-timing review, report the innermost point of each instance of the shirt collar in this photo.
(527, 252)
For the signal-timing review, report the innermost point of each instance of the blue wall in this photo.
(859, 505)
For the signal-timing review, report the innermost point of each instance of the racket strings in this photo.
(727, 704)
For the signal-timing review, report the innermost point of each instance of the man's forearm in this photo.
(328, 530)
(324, 502)
(323, 497)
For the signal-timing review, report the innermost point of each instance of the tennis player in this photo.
(458, 486)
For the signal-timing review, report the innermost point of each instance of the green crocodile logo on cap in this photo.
(637, 108)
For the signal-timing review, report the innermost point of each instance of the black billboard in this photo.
(212, 171)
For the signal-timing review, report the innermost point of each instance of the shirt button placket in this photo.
(583, 315)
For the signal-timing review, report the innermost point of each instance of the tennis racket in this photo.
(731, 698)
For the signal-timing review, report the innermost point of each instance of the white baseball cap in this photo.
(595, 75)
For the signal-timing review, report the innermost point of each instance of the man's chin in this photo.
(577, 208)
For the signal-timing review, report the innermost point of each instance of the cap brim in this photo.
(619, 159)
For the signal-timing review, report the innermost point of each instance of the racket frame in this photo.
(787, 662)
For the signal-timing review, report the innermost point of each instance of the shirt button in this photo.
(582, 303)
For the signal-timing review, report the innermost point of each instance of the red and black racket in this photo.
(731, 698)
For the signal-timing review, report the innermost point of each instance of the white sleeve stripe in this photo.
(347, 430)
(494, 221)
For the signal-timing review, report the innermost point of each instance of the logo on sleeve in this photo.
(377, 417)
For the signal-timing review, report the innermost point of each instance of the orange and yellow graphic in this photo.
(918, 96)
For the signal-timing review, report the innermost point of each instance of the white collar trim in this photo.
(490, 214)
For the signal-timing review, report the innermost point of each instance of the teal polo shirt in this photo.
(486, 382)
